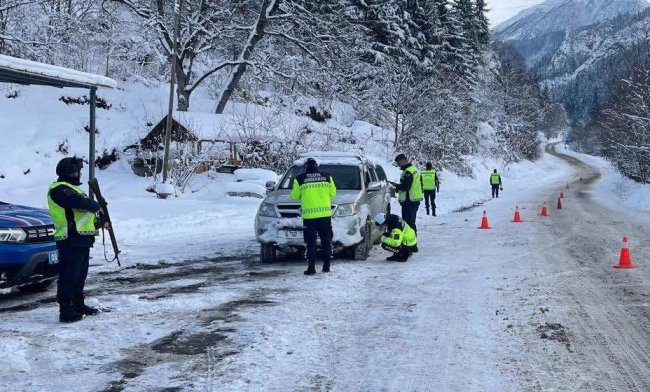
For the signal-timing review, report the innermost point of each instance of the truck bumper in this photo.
(36, 269)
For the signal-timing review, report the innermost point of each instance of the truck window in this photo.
(345, 177)
(381, 174)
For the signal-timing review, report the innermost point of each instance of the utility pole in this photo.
(178, 9)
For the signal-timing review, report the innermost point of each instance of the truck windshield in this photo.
(345, 176)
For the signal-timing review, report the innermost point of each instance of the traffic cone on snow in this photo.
(625, 260)
(561, 195)
(517, 218)
(484, 222)
(559, 203)
(544, 211)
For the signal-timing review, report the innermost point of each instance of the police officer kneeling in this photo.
(398, 237)
(315, 190)
(75, 228)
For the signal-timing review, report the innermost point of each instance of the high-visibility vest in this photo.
(415, 193)
(84, 220)
(495, 178)
(315, 192)
(429, 180)
(398, 237)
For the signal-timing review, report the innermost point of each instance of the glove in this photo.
(501, 188)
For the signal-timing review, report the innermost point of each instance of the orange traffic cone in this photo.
(517, 218)
(625, 261)
(484, 222)
(559, 203)
(561, 195)
(544, 210)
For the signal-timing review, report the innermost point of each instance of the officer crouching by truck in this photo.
(76, 221)
(398, 237)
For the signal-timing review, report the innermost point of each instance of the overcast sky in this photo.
(505, 9)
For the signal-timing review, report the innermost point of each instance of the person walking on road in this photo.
(409, 191)
(315, 190)
(495, 181)
(75, 227)
(430, 185)
(398, 236)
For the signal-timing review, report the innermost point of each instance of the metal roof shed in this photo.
(19, 71)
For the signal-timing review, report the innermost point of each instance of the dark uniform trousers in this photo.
(410, 212)
(430, 199)
(73, 270)
(495, 190)
(322, 228)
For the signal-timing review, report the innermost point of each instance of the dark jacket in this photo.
(69, 200)
(393, 222)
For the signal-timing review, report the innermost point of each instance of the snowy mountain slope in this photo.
(563, 15)
(577, 47)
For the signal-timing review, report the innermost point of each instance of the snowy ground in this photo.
(531, 306)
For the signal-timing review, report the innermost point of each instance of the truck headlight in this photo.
(268, 210)
(347, 209)
(12, 235)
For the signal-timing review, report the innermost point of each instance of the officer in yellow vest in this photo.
(315, 190)
(495, 182)
(430, 185)
(398, 236)
(410, 192)
(75, 227)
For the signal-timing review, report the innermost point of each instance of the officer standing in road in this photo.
(398, 236)
(75, 228)
(409, 191)
(430, 185)
(495, 181)
(315, 190)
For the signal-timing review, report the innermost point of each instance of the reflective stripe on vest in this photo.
(429, 180)
(495, 178)
(398, 237)
(84, 220)
(415, 193)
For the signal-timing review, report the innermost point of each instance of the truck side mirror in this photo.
(270, 186)
(374, 186)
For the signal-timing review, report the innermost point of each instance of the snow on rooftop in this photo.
(52, 71)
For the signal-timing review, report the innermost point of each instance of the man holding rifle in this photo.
(76, 220)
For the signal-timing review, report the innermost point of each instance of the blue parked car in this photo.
(28, 256)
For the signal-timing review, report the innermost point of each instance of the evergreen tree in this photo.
(483, 25)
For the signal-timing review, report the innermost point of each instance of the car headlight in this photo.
(268, 210)
(347, 209)
(12, 235)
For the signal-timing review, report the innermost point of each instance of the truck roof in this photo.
(332, 158)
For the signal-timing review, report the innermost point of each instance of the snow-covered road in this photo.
(530, 306)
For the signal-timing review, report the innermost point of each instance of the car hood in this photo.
(282, 196)
(12, 215)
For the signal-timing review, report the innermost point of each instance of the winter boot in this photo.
(67, 313)
(326, 267)
(81, 307)
(394, 257)
(428, 211)
(311, 270)
(434, 210)
(414, 249)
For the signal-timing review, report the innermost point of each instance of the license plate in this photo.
(293, 234)
(53, 257)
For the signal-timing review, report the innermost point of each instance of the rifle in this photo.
(94, 186)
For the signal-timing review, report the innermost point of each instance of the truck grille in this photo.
(39, 233)
(292, 210)
(289, 210)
